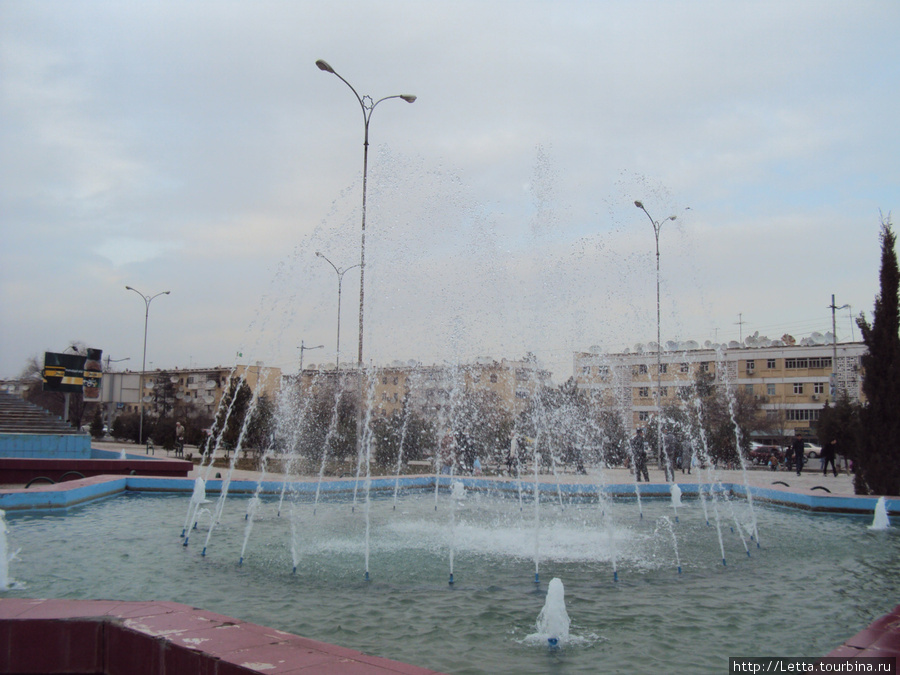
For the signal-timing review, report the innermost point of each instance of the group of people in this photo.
(829, 454)
(676, 453)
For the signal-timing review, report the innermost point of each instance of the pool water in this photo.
(814, 581)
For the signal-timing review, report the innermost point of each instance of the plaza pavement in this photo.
(811, 481)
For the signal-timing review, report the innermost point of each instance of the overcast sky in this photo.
(194, 147)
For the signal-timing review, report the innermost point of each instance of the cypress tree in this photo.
(877, 467)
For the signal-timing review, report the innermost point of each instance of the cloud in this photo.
(197, 148)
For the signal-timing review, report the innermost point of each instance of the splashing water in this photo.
(5, 556)
(880, 520)
(553, 621)
(676, 498)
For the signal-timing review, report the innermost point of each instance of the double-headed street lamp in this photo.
(340, 275)
(656, 227)
(147, 300)
(304, 348)
(367, 104)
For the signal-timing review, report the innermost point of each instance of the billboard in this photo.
(73, 373)
(93, 371)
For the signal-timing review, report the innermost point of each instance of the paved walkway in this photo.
(810, 482)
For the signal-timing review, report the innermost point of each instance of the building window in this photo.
(821, 362)
(770, 364)
(770, 390)
(603, 372)
(704, 366)
(819, 388)
(748, 388)
(642, 369)
(396, 380)
(494, 377)
(643, 415)
(520, 393)
(644, 392)
(685, 367)
(663, 392)
(751, 365)
(663, 368)
(803, 415)
(384, 380)
(798, 387)
(585, 370)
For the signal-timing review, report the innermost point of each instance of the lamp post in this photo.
(340, 275)
(834, 343)
(147, 300)
(304, 348)
(657, 225)
(367, 105)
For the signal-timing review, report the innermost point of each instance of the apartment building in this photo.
(429, 389)
(792, 382)
(201, 388)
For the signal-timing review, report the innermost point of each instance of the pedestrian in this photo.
(639, 451)
(797, 450)
(179, 439)
(686, 459)
(829, 453)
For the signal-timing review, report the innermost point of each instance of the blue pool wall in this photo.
(89, 489)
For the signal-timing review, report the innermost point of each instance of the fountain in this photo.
(553, 621)
(638, 584)
(485, 619)
(880, 520)
(4, 554)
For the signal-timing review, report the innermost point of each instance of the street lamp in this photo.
(834, 343)
(147, 300)
(340, 275)
(304, 348)
(656, 227)
(367, 104)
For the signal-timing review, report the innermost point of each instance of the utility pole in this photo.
(740, 323)
(834, 344)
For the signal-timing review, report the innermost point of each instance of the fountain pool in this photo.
(815, 581)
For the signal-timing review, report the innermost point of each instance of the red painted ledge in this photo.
(880, 639)
(20, 470)
(108, 637)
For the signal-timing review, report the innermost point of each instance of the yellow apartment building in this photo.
(791, 382)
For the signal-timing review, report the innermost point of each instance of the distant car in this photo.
(760, 454)
(811, 450)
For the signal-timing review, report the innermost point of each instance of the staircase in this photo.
(18, 416)
(27, 430)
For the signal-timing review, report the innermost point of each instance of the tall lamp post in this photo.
(340, 275)
(657, 225)
(834, 389)
(147, 300)
(367, 104)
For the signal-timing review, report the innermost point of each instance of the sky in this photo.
(196, 148)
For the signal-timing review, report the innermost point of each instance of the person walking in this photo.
(829, 453)
(639, 452)
(179, 439)
(686, 459)
(797, 450)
